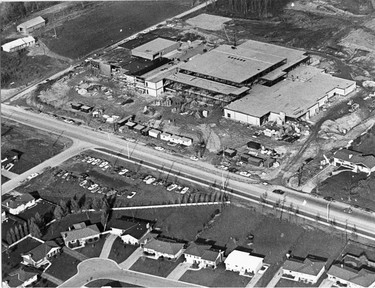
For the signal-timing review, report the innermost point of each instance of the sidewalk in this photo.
(275, 278)
(179, 271)
(107, 246)
(132, 259)
(254, 280)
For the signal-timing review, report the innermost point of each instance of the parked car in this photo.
(131, 195)
(93, 186)
(245, 173)
(194, 158)
(184, 190)
(150, 180)
(172, 144)
(90, 160)
(278, 191)
(33, 175)
(146, 178)
(329, 198)
(61, 172)
(106, 167)
(263, 269)
(159, 148)
(83, 183)
(123, 171)
(95, 189)
(348, 210)
(103, 164)
(65, 175)
(172, 187)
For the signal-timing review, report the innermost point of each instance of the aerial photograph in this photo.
(188, 143)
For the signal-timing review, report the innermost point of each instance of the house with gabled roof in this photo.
(203, 255)
(158, 248)
(354, 160)
(20, 278)
(307, 270)
(349, 277)
(243, 262)
(79, 236)
(130, 232)
(15, 204)
(39, 256)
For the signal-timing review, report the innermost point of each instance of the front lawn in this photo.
(109, 283)
(160, 267)
(120, 251)
(289, 283)
(63, 266)
(218, 277)
(94, 249)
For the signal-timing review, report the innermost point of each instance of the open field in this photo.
(365, 143)
(109, 283)
(120, 251)
(35, 145)
(160, 267)
(80, 36)
(218, 277)
(63, 266)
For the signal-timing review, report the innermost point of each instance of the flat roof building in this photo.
(31, 25)
(18, 44)
(300, 96)
(155, 48)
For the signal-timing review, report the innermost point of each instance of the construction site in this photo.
(212, 88)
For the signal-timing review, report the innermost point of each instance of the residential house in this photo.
(230, 152)
(15, 204)
(175, 139)
(359, 260)
(31, 25)
(39, 256)
(154, 133)
(159, 248)
(130, 124)
(165, 136)
(186, 141)
(354, 160)
(203, 255)
(345, 276)
(10, 157)
(130, 232)
(20, 278)
(80, 235)
(243, 262)
(307, 270)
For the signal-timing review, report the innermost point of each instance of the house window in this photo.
(228, 115)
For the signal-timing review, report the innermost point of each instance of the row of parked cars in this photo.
(103, 164)
(149, 179)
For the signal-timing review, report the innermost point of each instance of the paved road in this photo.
(97, 268)
(107, 246)
(8, 174)
(197, 170)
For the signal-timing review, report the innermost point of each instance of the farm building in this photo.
(31, 25)
(18, 44)
(155, 49)
(300, 96)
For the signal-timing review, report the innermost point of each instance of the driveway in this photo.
(107, 245)
(132, 259)
(179, 271)
(98, 268)
(275, 278)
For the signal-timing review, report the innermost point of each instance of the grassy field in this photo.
(180, 222)
(109, 283)
(36, 145)
(94, 249)
(82, 35)
(120, 252)
(63, 266)
(159, 267)
(218, 277)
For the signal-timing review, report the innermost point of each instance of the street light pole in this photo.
(329, 203)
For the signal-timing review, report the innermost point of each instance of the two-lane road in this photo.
(197, 170)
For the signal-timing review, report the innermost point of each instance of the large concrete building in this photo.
(31, 25)
(300, 96)
(155, 49)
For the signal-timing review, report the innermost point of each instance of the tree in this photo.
(74, 206)
(97, 204)
(38, 220)
(25, 228)
(17, 233)
(20, 229)
(64, 207)
(58, 213)
(13, 235)
(104, 218)
(9, 238)
(34, 229)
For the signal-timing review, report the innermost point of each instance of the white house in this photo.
(243, 262)
(308, 270)
(354, 160)
(154, 133)
(158, 248)
(130, 232)
(18, 44)
(20, 278)
(186, 141)
(351, 278)
(18, 203)
(165, 136)
(203, 255)
(40, 254)
(175, 139)
(80, 235)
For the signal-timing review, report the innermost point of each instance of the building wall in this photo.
(304, 277)
(349, 284)
(237, 116)
(26, 30)
(21, 208)
(128, 239)
(201, 262)
(243, 268)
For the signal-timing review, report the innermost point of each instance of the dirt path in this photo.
(42, 49)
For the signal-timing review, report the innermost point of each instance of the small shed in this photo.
(154, 133)
(254, 145)
(165, 136)
(76, 106)
(139, 128)
(86, 109)
(269, 162)
(230, 152)
(145, 131)
(31, 25)
(245, 158)
(130, 124)
(256, 161)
